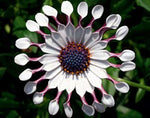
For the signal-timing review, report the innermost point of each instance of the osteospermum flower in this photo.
(75, 58)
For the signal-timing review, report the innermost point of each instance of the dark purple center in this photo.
(74, 58)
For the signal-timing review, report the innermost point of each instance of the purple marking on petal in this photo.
(45, 90)
(109, 39)
(40, 79)
(58, 95)
(115, 65)
(50, 28)
(84, 100)
(41, 33)
(36, 44)
(102, 90)
(91, 23)
(68, 98)
(94, 97)
(58, 23)
(115, 54)
(111, 79)
(37, 70)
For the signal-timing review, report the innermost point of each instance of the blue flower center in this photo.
(74, 58)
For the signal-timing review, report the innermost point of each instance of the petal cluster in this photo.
(57, 40)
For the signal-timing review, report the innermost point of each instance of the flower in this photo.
(75, 58)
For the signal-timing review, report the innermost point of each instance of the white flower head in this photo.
(75, 59)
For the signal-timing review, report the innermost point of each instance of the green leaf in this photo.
(6, 103)
(144, 3)
(33, 37)
(140, 93)
(108, 86)
(48, 2)
(124, 112)
(18, 23)
(12, 114)
(139, 58)
(8, 95)
(2, 71)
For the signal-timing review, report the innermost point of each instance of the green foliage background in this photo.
(13, 101)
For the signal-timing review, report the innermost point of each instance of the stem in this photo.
(147, 88)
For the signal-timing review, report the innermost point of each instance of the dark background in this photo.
(13, 101)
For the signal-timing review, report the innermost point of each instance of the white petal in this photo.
(87, 35)
(62, 31)
(37, 98)
(108, 100)
(67, 83)
(99, 107)
(93, 79)
(97, 11)
(68, 110)
(127, 55)
(82, 9)
(98, 46)
(70, 84)
(41, 19)
(55, 82)
(51, 66)
(25, 75)
(49, 41)
(121, 32)
(100, 63)
(53, 107)
(100, 55)
(32, 26)
(30, 87)
(94, 37)
(21, 59)
(122, 87)
(70, 32)
(127, 66)
(49, 11)
(57, 37)
(113, 21)
(47, 49)
(79, 32)
(46, 58)
(53, 73)
(66, 8)
(98, 71)
(88, 110)
(23, 43)
(80, 86)
(87, 86)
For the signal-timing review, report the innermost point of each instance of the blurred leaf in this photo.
(124, 112)
(140, 93)
(6, 103)
(124, 6)
(91, 2)
(12, 114)
(7, 60)
(140, 30)
(48, 2)
(108, 86)
(139, 58)
(18, 23)
(147, 63)
(2, 71)
(8, 95)
(7, 28)
(33, 37)
(144, 3)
